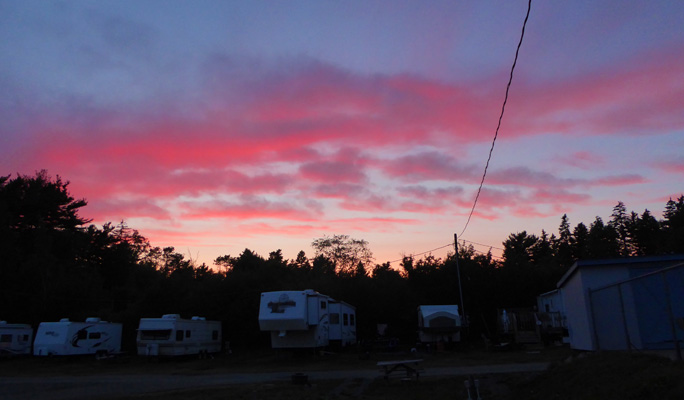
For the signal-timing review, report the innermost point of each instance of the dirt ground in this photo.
(268, 374)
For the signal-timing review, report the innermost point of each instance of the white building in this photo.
(615, 304)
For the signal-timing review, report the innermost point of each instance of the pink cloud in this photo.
(618, 180)
(582, 159)
(251, 207)
(332, 171)
(373, 224)
(558, 196)
(524, 176)
(674, 165)
(428, 165)
(123, 161)
(340, 190)
(118, 209)
(642, 96)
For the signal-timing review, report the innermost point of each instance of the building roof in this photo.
(430, 310)
(617, 261)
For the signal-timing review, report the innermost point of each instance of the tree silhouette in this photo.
(345, 252)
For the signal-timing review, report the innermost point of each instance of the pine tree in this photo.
(619, 221)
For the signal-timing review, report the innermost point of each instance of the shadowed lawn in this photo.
(606, 376)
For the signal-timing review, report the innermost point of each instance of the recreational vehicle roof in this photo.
(429, 310)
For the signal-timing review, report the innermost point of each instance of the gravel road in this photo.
(108, 386)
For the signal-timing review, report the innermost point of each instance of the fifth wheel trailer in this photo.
(66, 337)
(306, 319)
(15, 339)
(172, 335)
(342, 323)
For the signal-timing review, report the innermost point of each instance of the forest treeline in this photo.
(54, 263)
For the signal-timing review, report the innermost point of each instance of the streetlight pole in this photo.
(464, 320)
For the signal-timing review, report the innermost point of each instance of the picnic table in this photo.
(409, 368)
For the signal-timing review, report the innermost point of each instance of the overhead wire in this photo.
(450, 245)
(491, 149)
(498, 126)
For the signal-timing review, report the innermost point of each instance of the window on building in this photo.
(6, 338)
(334, 319)
(345, 319)
(324, 305)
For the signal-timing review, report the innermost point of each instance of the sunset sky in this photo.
(215, 126)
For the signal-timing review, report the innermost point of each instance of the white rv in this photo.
(342, 323)
(15, 339)
(65, 337)
(440, 323)
(172, 335)
(304, 319)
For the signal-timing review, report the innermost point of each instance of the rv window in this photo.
(24, 338)
(94, 335)
(345, 319)
(82, 334)
(214, 335)
(179, 336)
(323, 305)
(187, 334)
(334, 319)
(6, 339)
(155, 334)
(351, 319)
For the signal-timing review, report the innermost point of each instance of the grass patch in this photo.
(606, 376)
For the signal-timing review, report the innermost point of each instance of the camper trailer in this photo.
(172, 335)
(303, 319)
(342, 323)
(65, 337)
(15, 339)
(440, 323)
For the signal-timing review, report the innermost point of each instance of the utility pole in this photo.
(464, 320)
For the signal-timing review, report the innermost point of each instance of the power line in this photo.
(491, 150)
(480, 244)
(503, 108)
(450, 245)
(425, 252)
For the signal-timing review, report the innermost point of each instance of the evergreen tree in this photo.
(646, 234)
(580, 242)
(602, 241)
(563, 245)
(619, 222)
(674, 225)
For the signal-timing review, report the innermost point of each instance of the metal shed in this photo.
(625, 303)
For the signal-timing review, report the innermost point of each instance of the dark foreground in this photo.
(532, 373)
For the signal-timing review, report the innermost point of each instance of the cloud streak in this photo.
(300, 145)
